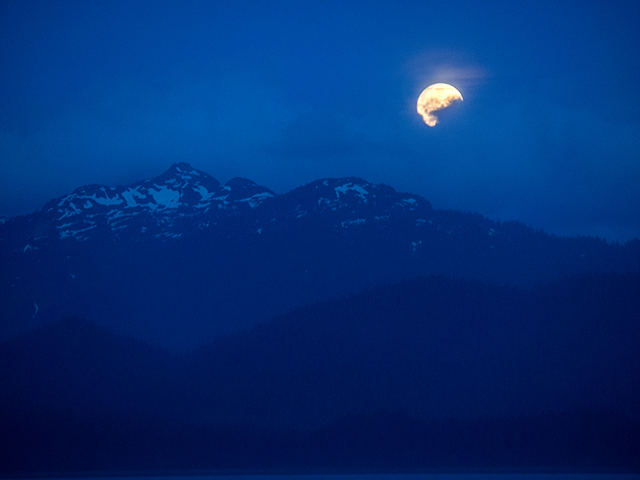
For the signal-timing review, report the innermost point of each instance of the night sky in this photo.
(284, 93)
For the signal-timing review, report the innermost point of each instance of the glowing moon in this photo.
(434, 98)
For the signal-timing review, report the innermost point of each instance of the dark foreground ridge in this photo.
(424, 374)
(44, 445)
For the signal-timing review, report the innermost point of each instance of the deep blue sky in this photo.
(285, 92)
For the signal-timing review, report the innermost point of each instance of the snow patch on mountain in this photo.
(257, 199)
(357, 221)
(343, 189)
(179, 193)
(165, 197)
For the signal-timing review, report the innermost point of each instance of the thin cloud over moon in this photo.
(434, 98)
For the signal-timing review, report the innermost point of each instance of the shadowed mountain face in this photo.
(425, 373)
(181, 259)
(435, 348)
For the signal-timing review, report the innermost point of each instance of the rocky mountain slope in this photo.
(180, 259)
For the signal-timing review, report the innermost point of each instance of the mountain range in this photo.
(180, 259)
(178, 324)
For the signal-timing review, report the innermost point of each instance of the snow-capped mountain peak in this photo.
(183, 245)
(351, 194)
(180, 192)
(184, 199)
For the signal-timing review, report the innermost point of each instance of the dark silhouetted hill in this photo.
(434, 347)
(429, 373)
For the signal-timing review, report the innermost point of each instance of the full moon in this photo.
(434, 98)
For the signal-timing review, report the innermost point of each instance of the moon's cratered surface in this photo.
(434, 98)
